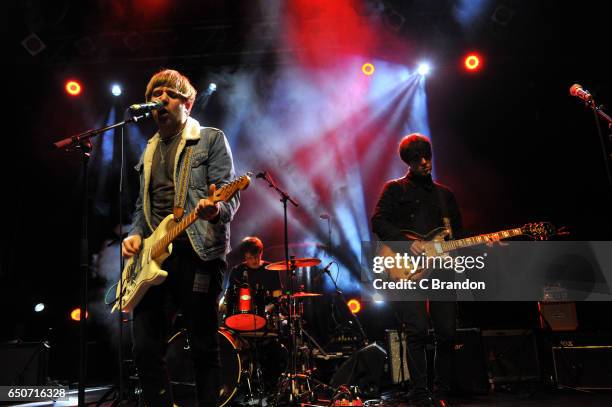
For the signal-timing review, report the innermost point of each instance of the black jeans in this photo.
(413, 316)
(192, 286)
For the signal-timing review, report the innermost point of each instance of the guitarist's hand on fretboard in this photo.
(207, 209)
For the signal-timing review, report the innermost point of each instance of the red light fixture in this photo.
(73, 88)
(354, 305)
(472, 62)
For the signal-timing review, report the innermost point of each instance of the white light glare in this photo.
(423, 68)
(39, 307)
(378, 299)
(116, 90)
(212, 87)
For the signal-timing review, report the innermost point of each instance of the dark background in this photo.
(511, 142)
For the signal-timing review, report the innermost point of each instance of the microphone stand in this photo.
(290, 275)
(364, 338)
(599, 113)
(82, 142)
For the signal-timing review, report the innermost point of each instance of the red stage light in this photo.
(473, 62)
(73, 88)
(354, 305)
(75, 314)
(367, 68)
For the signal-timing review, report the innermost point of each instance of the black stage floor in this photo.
(557, 398)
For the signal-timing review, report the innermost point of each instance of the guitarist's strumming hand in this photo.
(207, 209)
(417, 247)
(131, 246)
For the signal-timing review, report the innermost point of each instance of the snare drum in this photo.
(245, 308)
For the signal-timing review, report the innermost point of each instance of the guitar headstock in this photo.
(227, 191)
(539, 230)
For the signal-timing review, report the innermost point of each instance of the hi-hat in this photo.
(303, 262)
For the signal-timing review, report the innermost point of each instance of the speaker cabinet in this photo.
(363, 369)
(511, 356)
(23, 363)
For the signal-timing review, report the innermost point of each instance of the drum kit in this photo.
(265, 350)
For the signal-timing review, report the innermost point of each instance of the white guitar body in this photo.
(144, 269)
(141, 271)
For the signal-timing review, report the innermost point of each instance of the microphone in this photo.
(146, 107)
(326, 268)
(579, 92)
(324, 216)
(262, 174)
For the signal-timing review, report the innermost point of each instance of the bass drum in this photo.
(235, 362)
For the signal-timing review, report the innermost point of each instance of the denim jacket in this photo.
(211, 163)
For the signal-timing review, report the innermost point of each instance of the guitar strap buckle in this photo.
(178, 212)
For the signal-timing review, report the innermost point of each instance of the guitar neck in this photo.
(162, 244)
(480, 239)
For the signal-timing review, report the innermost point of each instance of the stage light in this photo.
(367, 68)
(73, 88)
(212, 87)
(116, 90)
(354, 305)
(378, 299)
(75, 314)
(472, 62)
(424, 68)
(39, 307)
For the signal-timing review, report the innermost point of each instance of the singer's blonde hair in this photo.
(172, 79)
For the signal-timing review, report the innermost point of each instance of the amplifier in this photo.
(469, 367)
(511, 356)
(559, 316)
(583, 367)
(23, 363)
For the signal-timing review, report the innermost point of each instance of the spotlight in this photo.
(472, 62)
(424, 69)
(75, 314)
(116, 90)
(354, 305)
(367, 69)
(39, 307)
(73, 88)
(378, 299)
(212, 87)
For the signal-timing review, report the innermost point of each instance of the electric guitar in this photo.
(434, 245)
(143, 270)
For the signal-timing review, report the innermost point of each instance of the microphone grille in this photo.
(574, 89)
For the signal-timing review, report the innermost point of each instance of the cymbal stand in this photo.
(291, 375)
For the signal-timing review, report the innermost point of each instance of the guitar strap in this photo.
(180, 194)
(445, 214)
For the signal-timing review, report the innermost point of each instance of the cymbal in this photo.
(303, 294)
(303, 262)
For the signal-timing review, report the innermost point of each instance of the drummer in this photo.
(253, 269)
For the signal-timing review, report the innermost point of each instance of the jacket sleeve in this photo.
(221, 172)
(383, 224)
(138, 222)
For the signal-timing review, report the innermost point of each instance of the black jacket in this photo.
(415, 204)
